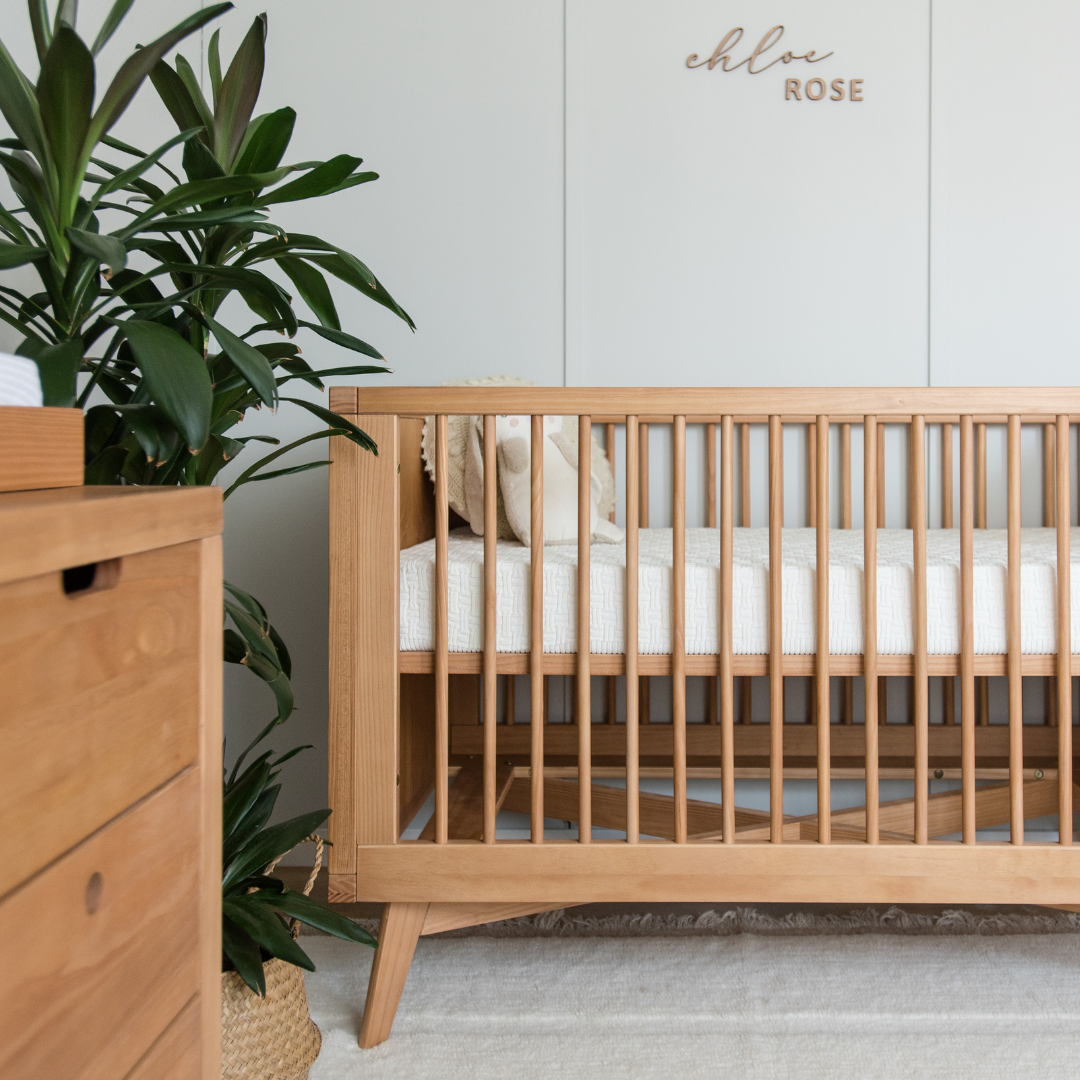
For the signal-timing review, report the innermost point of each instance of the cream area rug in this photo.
(946, 996)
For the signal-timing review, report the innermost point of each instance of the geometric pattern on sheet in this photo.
(750, 592)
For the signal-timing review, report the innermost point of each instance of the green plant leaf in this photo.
(263, 926)
(104, 248)
(266, 145)
(122, 178)
(177, 99)
(275, 473)
(312, 287)
(175, 376)
(314, 913)
(66, 12)
(346, 341)
(242, 797)
(213, 63)
(348, 269)
(248, 361)
(200, 163)
(157, 437)
(198, 220)
(130, 76)
(58, 367)
(239, 92)
(270, 843)
(252, 822)
(39, 22)
(12, 255)
(65, 94)
(109, 26)
(361, 438)
(319, 181)
(244, 953)
(18, 103)
(191, 81)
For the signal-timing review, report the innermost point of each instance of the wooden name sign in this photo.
(756, 64)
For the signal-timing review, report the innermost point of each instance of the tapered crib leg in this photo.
(398, 934)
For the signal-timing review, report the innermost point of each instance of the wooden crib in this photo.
(406, 724)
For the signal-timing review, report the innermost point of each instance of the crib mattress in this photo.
(750, 592)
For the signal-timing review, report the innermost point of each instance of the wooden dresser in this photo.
(110, 784)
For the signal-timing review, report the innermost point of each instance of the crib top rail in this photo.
(986, 404)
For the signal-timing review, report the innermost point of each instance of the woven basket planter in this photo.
(271, 1037)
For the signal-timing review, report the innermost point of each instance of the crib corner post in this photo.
(364, 683)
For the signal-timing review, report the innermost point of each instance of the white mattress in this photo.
(750, 584)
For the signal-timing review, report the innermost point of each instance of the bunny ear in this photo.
(474, 477)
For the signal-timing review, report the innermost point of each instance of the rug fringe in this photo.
(749, 920)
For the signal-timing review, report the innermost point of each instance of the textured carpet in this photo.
(950, 996)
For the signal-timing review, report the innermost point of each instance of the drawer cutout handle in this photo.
(94, 888)
(91, 577)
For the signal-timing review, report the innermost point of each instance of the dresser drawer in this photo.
(100, 951)
(177, 1054)
(100, 698)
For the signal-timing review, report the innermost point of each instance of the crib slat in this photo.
(678, 623)
(845, 476)
(490, 669)
(612, 693)
(645, 696)
(847, 714)
(536, 634)
(710, 476)
(1048, 476)
(744, 475)
(727, 688)
(584, 689)
(948, 684)
(811, 475)
(710, 522)
(776, 631)
(746, 695)
(1012, 612)
(1064, 636)
(982, 697)
(824, 761)
(870, 650)
(881, 476)
(442, 627)
(967, 634)
(920, 682)
(632, 684)
(946, 476)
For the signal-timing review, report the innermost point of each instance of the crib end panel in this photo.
(364, 640)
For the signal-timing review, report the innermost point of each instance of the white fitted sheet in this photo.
(750, 587)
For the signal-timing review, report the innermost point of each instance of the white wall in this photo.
(562, 199)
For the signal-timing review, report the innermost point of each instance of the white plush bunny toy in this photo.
(513, 453)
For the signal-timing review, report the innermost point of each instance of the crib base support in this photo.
(401, 927)
(398, 933)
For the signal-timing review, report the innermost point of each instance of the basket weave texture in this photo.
(270, 1038)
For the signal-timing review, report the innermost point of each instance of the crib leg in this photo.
(398, 934)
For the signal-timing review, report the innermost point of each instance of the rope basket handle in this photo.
(319, 843)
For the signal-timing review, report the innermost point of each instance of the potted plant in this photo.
(267, 1032)
(135, 263)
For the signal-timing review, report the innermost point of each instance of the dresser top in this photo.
(43, 531)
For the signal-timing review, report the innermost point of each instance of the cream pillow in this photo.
(513, 455)
(465, 438)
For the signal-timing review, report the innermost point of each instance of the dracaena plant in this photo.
(136, 262)
(136, 265)
(254, 903)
